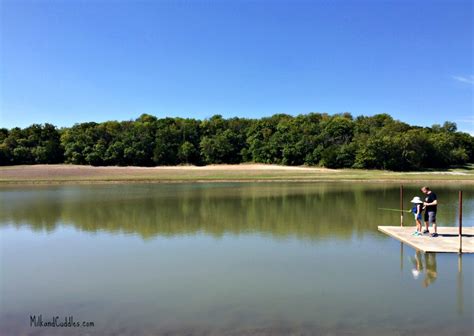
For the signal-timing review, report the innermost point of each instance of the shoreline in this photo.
(241, 173)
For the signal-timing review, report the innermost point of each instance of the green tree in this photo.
(187, 152)
(337, 141)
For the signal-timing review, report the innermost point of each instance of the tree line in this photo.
(333, 141)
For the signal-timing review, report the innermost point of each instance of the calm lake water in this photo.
(227, 259)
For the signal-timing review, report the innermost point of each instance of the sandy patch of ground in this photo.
(438, 173)
(80, 172)
(64, 173)
(246, 166)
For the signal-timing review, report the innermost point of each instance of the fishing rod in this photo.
(397, 210)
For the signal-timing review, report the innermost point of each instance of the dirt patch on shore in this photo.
(31, 172)
(63, 173)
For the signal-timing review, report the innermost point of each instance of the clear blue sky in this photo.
(72, 61)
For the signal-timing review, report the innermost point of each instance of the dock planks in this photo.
(446, 242)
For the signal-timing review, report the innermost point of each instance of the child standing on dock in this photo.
(417, 210)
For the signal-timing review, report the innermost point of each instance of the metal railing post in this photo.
(401, 205)
(460, 221)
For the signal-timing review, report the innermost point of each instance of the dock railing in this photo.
(401, 205)
(460, 221)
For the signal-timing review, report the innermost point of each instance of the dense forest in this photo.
(333, 141)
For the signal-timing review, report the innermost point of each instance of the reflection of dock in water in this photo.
(447, 240)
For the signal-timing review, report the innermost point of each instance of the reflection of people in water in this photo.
(430, 269)
(417, 262)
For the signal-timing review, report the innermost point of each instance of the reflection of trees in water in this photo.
(281, 210)
(35, 209)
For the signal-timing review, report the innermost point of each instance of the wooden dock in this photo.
(446, 242)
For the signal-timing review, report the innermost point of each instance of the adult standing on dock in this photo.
(431, 207)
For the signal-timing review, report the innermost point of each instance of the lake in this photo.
(227, 259)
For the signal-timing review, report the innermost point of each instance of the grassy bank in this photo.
(70, 174)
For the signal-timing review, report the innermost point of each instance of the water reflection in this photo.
(424, 265)
(305, 211)
(260, 277)
(460, 287)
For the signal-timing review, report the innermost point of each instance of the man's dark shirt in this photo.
(429, 199)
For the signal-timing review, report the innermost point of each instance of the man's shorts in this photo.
(430, 217)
